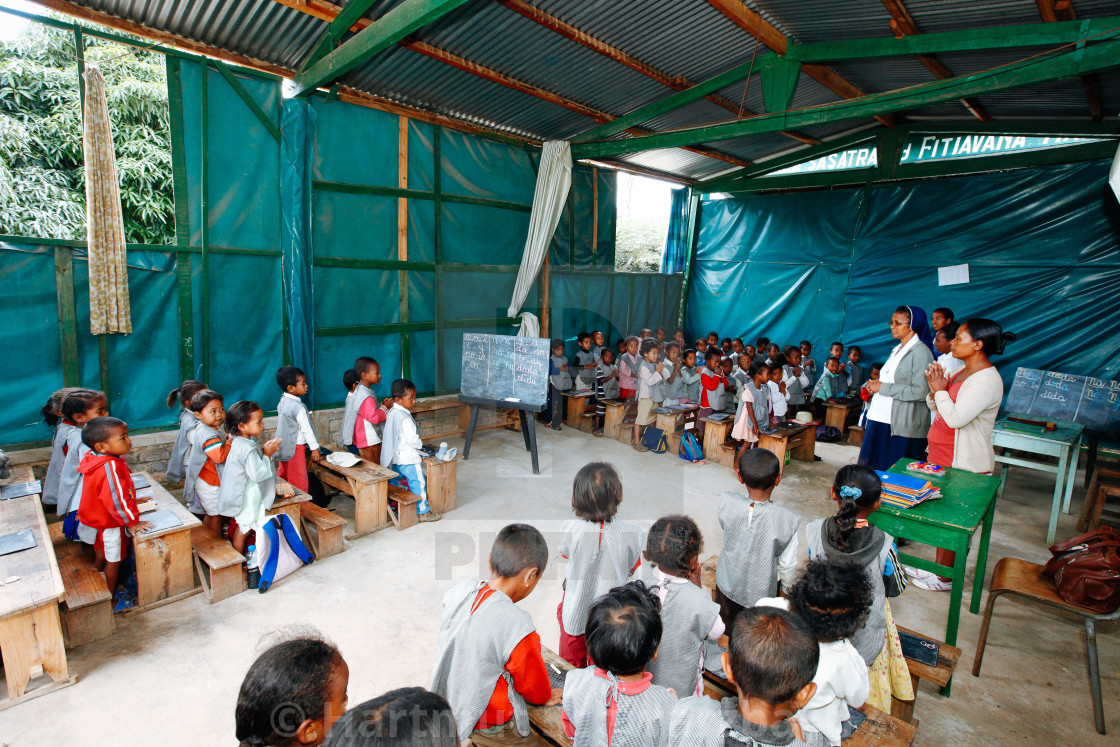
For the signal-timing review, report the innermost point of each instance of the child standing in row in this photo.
(369, 413)
(866, 394)
(208, 449)
(349, 412)
(688, 614)
(606, 387)
(248, 485)
(293, 428)
(650, 388)
(488, 661)
(585, 362)
(754, 407)
(400, 450)
(690, 377)
(808, 365)
(674, 384)
(177, 462)
(78, 409)
(713, 389)
(615, 702)
(628, 365)
(601, 552)
(559, 381)
(52, 415)
(108, 501)
(856, 375)
(759, 537)
(942, 342)
(779, 395)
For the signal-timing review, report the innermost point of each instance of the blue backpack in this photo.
(281, 550)
(690, 448)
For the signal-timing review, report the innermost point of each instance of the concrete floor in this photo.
(171, 675)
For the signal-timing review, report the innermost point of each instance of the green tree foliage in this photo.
(42, 179)
(638, 245)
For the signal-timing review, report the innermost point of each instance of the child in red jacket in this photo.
(108, 501)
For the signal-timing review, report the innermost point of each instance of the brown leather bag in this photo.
(1086, 570)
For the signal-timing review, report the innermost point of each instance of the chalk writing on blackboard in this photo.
(502, 367)
(1092, 402)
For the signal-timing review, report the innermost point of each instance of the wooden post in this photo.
(545, 276)
(402, 242)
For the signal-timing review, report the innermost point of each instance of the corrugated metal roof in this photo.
(685, 38)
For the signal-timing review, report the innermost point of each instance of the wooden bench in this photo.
(716, 448)
(800, 440)
(368, 484)
(940, 675)
(442, 478)
(546, 720)
(508, 420)
(579, 415)
(322, 529)
(405, 515)
(841, 414)
(289, 498)
(614, 417)
(220, 568)
(855, 435)
(87, 613)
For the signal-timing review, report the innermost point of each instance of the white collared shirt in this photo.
(879, 408)
(306, 432)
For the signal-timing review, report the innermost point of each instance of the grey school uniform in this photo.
(642, 719)
(472, 652)
(231, 496)
(794, 386)
(70, 479)
(58, 459)
(354, 401)
(600, 557)
(610, 387)
(760, 405)
(586, 375)
(563, 380)
(688, 615)
(287, 427)
(675, 390)
(754, 536)
(703, 722)
(178, 458)
(869, 546)
(195, 463)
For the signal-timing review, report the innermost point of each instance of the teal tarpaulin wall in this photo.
(1042, 245)
(410, 234)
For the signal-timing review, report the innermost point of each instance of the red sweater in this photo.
(108, 496)
(530, 678)
(710, 382)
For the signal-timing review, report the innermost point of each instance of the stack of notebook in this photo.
(904, 491)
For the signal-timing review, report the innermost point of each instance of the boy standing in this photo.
(585, 362)
(108, 503)
(488, 660)
(559, 381)
(759, 538)
(349, 412)
(808, 365)
(649, 375)
(400, 449)
(855, 370)
(293, 428)
(367, 412)
(771, 663)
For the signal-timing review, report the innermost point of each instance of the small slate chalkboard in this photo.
(20, 489)
(501, 367)
(848, 727)
(139, 481)
(919, 649)
(557, 679)
(17, 541)
(165, 518)
(1049, 395)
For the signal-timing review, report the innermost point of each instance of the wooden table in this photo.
(288, 500)
(164, 561)
(1064, 443)
(451, 401)
(31, 641)
(968, 500)
(799, 439)
(577, 402)
(441, 478)
(17, 475)
(715, 434)
(368, 484)
(546, 720)
(843, 413)
(615, 416)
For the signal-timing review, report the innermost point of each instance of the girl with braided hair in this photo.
(857, 491)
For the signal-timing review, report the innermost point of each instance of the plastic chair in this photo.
(1018, 577)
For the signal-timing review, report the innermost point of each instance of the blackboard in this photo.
(501, 367)
(1094, 403)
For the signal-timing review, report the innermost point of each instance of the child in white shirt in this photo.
(779, 395)
(401, 444)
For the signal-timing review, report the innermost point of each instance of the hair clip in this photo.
(847, 491)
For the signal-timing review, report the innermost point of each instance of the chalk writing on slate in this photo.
(501, 367)
(1094, 403)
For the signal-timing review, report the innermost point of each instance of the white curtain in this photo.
(109, 309)
(554, 178)
(1113, 176)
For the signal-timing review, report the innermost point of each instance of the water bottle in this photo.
(254, 571)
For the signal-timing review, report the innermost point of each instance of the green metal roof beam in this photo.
(1028, 72)
(964, 40)
(342, 23)
(409, 16)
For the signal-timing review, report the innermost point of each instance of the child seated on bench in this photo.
(400, 448)
(407, 716)
(771, 663)
(614, 701)
(292, 694)
(108, 502)
(488, 659)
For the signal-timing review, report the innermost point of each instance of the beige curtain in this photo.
(109, 310)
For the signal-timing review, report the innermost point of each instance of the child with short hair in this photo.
(794, 377)
(79, 408)
(857, 491)
(349, 412)
(690, 377)
(650, 389)
(293, 428)
(725, 346)
(598, 344)
(779, 394)
(759, 537)
(713, 340)
(405, 717)
(620, 348)
(836, 350)
(713, 389)
(772, 353)
(941, 317)
(741, 367)
(488, 660)
(203, 484)
(52, 416)
(615, 701)
(727, 369)
(303, 678)
(754, 407)
(833, 597)
(601, 551)
(701, 348)
(674, 384)
(737, 349)
(808, 365)
(628, 365)
(585, 362)
(771, 663)
(856, 376)
(831, 383)
(866, 394)
(559, 381)
(688, 614)
(248, 486)
(942, 341)
(760, 346)
(368, 413)
(177, 462)
(606, 387)
(400, 449)
(108, 501)
(678, 337)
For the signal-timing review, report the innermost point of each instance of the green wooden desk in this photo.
(967, 501)
(1064, 443)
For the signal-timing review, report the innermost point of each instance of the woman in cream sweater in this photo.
(964, 409)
